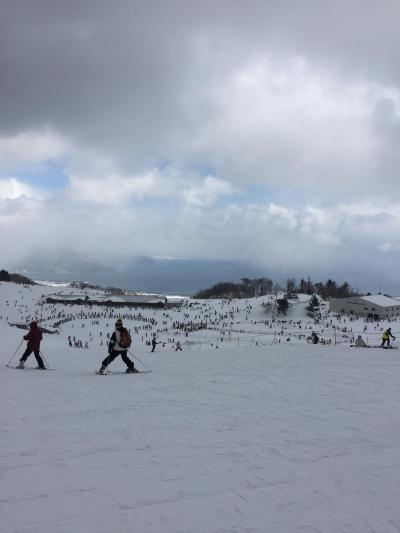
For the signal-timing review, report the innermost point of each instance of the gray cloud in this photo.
(115, 75)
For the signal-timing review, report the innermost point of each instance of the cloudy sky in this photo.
(243, 130)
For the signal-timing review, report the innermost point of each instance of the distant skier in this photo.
(386, 338)
(34, 338)
(153, 343)
(119, 343)
(314, 338)
(178, 346)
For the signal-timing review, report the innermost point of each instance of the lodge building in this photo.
(375, 307)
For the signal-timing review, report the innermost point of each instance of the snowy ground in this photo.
(252, 437)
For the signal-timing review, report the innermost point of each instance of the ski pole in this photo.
(141, 362)
(19, 345)
(44, 359)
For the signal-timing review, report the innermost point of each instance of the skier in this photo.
(116, 347)
(386, 338)
(360, 342)
(178, 346)
(33, 337)
(153, 343)
(314, 338)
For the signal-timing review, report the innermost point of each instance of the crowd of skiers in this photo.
(120, 341)
(194, 317)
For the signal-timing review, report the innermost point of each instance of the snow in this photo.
(54, 284)
(249, 437)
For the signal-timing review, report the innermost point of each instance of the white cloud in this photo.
(389, 247)
(30, 148)
(113, 189)
(287, 122)
(11, 189)
(208, 192)
(305, 239)
(96, 179)
(322, 225)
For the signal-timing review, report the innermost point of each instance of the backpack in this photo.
(125, 340)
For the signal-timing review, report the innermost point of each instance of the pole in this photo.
(141, 362)
(19, 345)
(44, 359)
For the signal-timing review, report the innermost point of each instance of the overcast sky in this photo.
(266, 131)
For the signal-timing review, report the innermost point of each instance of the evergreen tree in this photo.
(283, 305)
(313, 304)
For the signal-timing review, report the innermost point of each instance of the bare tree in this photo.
(291, 286)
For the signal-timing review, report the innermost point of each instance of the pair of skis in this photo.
(97, 372)
(28, 368)
(106, 372)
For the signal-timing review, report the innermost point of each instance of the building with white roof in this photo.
(124, 300)
(374, 307)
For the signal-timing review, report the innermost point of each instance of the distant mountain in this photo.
(172, 276)
(57, 261)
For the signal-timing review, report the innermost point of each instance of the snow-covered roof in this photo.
(137, 298)
(123, 298)
(67, 296)
(382, 301)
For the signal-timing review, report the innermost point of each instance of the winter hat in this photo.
(33, 324)
(118, 322)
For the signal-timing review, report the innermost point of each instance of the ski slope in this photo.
(244, 435)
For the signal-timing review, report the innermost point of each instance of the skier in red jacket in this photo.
(33, 337)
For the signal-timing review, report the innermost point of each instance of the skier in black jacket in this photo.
(153, 343)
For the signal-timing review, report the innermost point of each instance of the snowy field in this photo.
(253, 433)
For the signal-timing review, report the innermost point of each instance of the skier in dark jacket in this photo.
(314, 338)
(153, 343)
(115, 348)
(33, 337)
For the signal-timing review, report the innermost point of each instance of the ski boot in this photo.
(21, 365)
(131, 370)
(102, 370)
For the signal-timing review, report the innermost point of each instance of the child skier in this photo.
(33, 337)
(119, 343)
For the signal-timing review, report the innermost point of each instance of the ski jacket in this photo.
(33, 337)
(114, 345)
(387, 334)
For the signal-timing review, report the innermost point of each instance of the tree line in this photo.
(329, 289)
(15, 278)
(249, 288)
